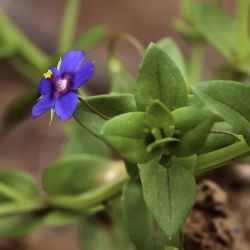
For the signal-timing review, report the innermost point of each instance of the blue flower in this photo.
(59, 85)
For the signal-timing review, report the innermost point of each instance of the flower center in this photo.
(62, 85)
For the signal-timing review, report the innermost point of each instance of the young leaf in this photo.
(90, 38)
(127, 133)
(173, 51)
(138, 221)
(230, 100)
(112, 104)
(217, 27)
(74, 174)
(169, 191)
(193, 126)
(158, 116)
(19, 183)
(159, 78)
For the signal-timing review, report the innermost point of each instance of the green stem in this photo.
(196, 63)
(68, 26)
(23, 45)
(12, 208)
(123, 36)
(91, 198)
(220, 157)
(242, 32)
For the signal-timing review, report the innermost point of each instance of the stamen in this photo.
(48, 74)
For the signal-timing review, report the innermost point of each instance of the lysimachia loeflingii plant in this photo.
(165, 135)
(166, 130)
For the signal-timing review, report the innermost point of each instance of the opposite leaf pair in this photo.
(166, 124)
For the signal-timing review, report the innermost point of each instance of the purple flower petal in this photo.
(71, 61)
(45, 86)
(55, 72)
(45, 103)
(83, 74)
(66, 105)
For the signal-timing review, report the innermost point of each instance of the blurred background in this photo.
(32, 145)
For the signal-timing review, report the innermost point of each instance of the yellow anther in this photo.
(48, 74)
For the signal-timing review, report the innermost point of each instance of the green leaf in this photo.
(80, 141)
(173, 51)
(74, 174)
(112, 104)
(60, 218)
(158, 116)
(18, 109)
(217, 27)
(219, 138)
(160, 79)
(104, 231)
(230, 100)
(192, 128)
(89, 120)
(17, 184)
(138, 221)
(169, 191)
(18, 225)
(130, 135)
(91, 38)
(121, 80)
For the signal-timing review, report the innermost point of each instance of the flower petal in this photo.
(55, 72)
(66, 105)
(71, 61)
(45, 103)
(83, 74)
(45, 86)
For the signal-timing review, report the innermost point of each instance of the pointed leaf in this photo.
(113, 104)
(89, 120)
(169, 192)
(159, 78)
(138, 221)
(193, 126)
(217, 26)
(230, 100)
(173, 51)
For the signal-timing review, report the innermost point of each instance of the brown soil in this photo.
(220, 219)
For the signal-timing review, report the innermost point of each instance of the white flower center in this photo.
(61, 84)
